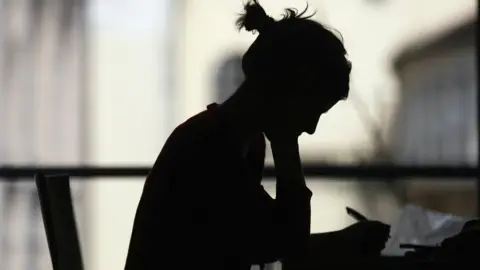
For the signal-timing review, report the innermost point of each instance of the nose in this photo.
(312, 127)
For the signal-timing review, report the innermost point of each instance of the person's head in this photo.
(295, 64)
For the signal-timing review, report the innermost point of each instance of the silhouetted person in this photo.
(203, 205)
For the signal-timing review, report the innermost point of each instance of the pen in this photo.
(356, 215)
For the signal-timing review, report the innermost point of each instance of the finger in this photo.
(378, 223)
(384, 227)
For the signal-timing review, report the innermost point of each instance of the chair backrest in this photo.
(59, 221)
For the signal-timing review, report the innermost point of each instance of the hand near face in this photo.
(282, 123)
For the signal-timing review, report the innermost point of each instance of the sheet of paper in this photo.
(417, 225)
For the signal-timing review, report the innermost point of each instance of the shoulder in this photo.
(191, 137)
(195, 130)
(184, 148)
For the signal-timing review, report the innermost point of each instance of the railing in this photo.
(377, 173)
(374, 172)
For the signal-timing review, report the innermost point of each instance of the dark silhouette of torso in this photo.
(201, 199)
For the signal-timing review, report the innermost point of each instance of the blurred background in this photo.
(104, 82)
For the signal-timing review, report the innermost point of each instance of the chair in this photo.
(59, 221)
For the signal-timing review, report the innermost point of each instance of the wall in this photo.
(437, 119)
(40, 91)
(128, 117)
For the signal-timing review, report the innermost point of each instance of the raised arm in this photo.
(265, 230)
(292, 204)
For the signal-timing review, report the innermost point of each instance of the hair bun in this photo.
(254, 17)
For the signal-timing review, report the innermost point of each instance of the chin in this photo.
(310, 130)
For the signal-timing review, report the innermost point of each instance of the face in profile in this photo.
(310, 100)
(308, 109)
(313, 110)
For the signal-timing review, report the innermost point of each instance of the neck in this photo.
(241, 111)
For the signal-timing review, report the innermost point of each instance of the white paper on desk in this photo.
(420, 226)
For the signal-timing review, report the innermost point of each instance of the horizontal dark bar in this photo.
(372, 172)
(393, 172)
